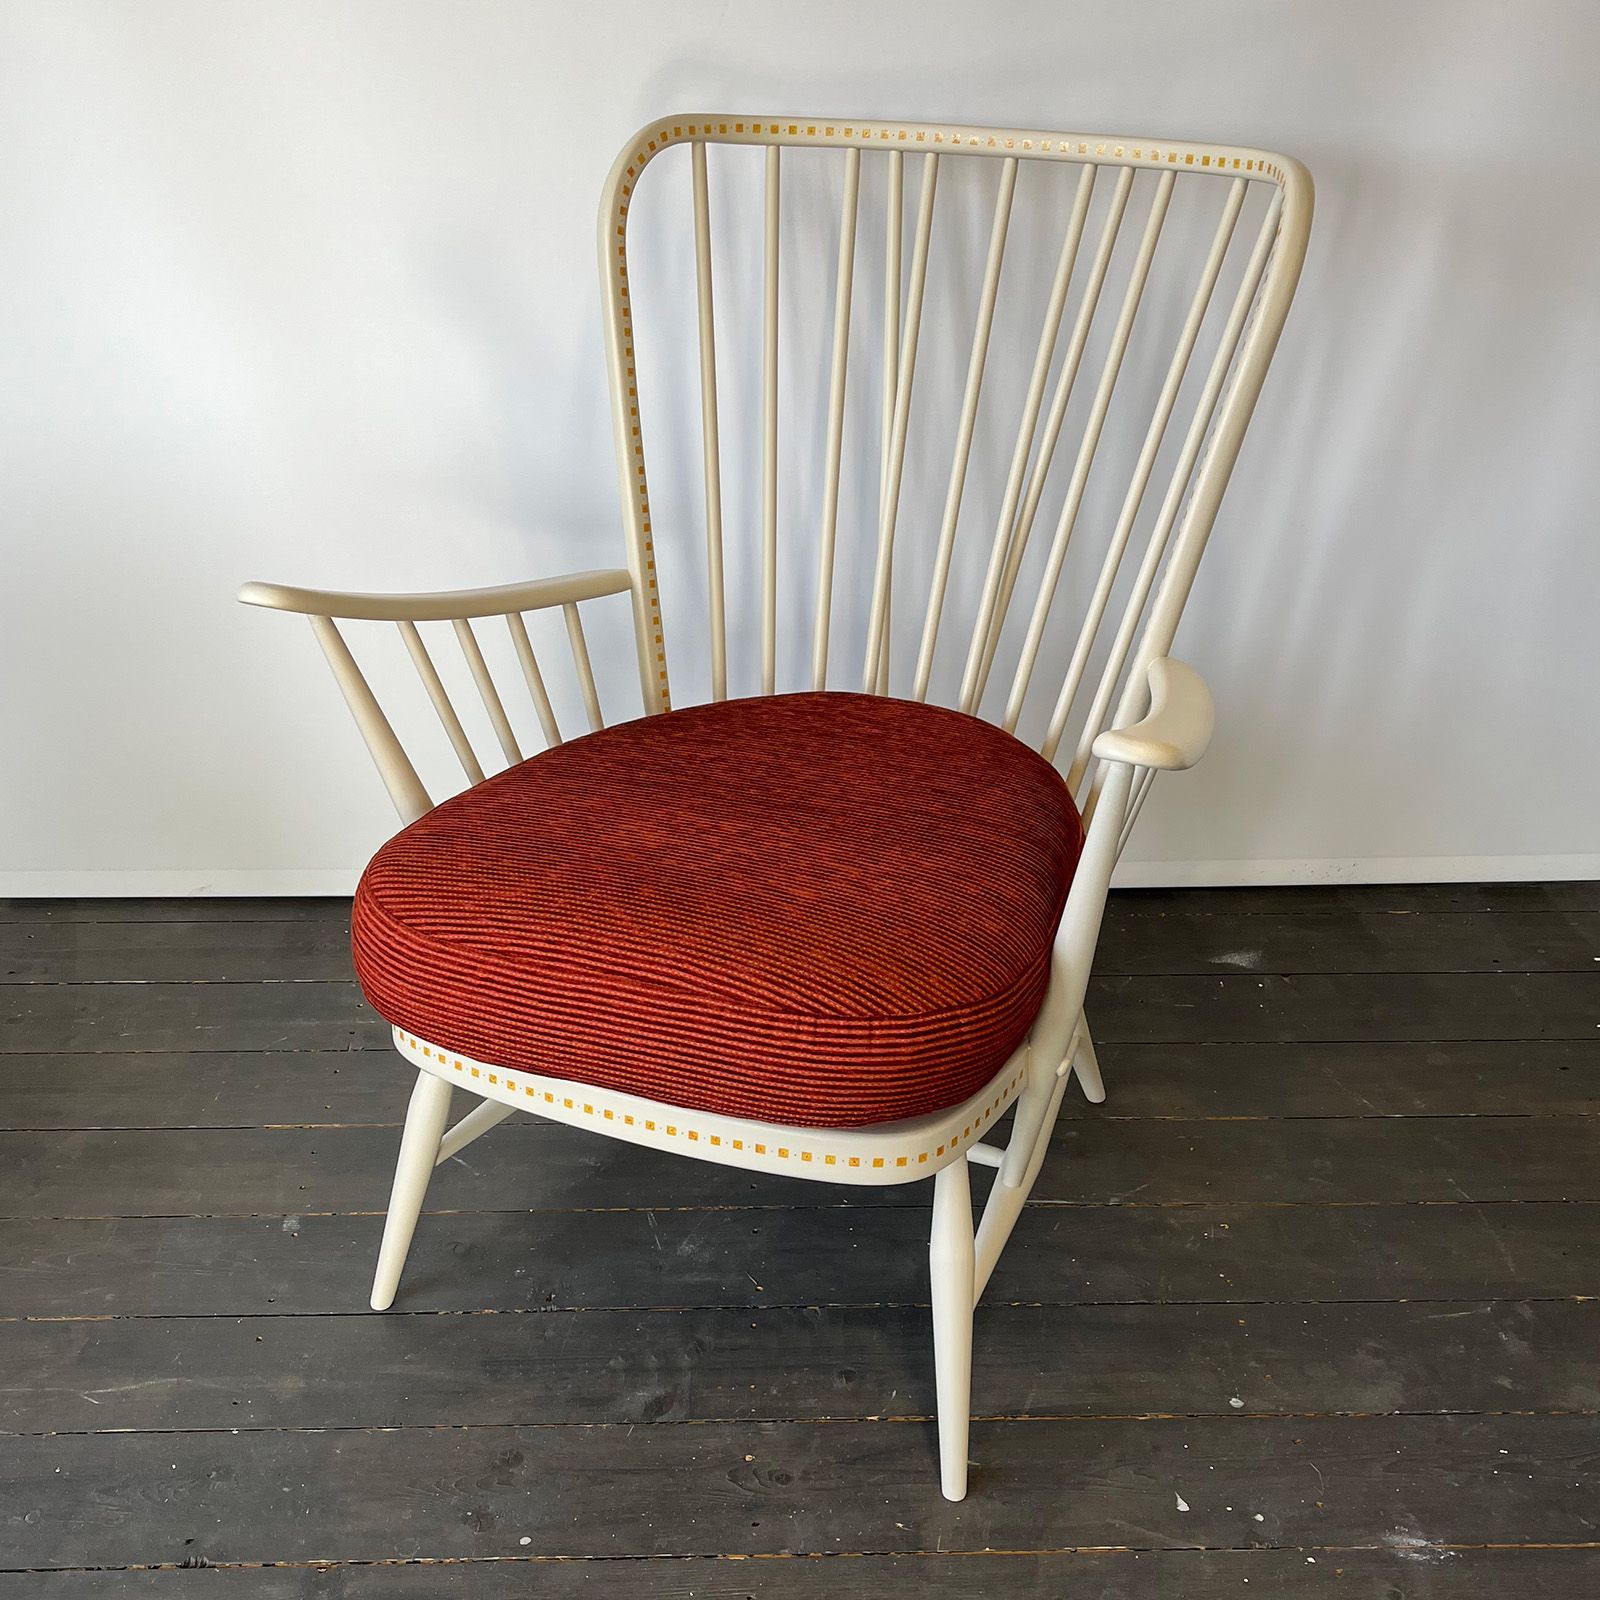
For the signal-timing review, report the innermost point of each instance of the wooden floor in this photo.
(1311, 1304)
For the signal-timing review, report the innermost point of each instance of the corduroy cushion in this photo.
(821, 909)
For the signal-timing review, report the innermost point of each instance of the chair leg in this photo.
(419, 1145)
(478, 1121)
(1039, 1093)
(1005, 1203)
(1086, 1064)
(950, 1269)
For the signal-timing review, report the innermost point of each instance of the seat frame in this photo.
(1161, 720)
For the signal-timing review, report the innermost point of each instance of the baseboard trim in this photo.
(248, 883)
(231, 882)
(1370, 869)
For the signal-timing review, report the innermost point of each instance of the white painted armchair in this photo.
(837, 933)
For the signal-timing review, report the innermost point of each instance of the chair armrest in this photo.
(441, 606)
(1175, 731)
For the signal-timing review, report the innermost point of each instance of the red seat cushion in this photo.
(819, 909)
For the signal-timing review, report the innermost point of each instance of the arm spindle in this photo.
(487, 691)
(429, 674)
(534, 679)
(393, 764)
(580, 659)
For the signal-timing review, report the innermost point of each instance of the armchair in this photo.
(838, 934)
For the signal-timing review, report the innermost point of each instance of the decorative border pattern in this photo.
(647, 573)
(1062, 147)
(532, 1089)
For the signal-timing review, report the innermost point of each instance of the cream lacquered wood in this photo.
(769, 431)
(1205, 493)
(426, 1119)
(442, 703)
(1118, 544)
(969, 416)
(876, 668)
(1224, 302)
(843, 286)
(326, 609)
(580, 660)
(1174, 732)
(893, 241)
(508, 599)
(492, 703)
(709, 426)
(1086, 450)
(952, 1262)
(534, 678)
(1011, 540)
(877, 1156)
(400, 778)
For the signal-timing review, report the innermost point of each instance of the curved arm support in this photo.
(1175, 731)
(1055, 1030)
(325, 609)
(441, 606)
(1173, 735)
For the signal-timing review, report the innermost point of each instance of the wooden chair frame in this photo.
(1148, 712)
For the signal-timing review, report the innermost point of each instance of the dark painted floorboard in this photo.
(205, 1089)
(1310, 1305)
(430, 1370)
(1394, 941)
(1408, 1567)
(541, 1166)
(513, 1261)
(176, 952)
(270, 1088)
(1452, 1078)
(675, 1489)
(134, 909)
(1366, 898)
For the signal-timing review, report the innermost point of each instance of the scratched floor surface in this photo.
(1310, 1305)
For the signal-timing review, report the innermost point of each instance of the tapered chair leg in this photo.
(1005, 1203)
(426, 1117)
(1087, 1066)
(950, 1270)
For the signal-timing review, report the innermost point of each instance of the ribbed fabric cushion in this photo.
(820, 909)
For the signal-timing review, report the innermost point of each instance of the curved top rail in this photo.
(837, 133)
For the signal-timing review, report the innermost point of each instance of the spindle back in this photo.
(1153, 279)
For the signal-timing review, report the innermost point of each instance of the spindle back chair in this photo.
(1117, 710)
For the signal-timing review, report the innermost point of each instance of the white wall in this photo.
(306, 290)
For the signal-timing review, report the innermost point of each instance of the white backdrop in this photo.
(306, 291)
